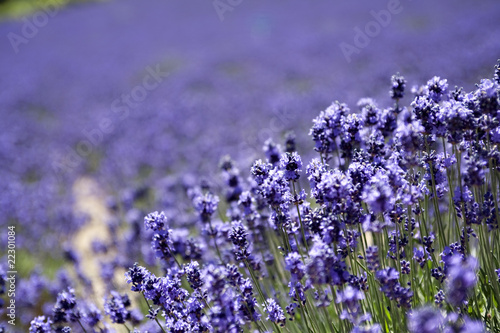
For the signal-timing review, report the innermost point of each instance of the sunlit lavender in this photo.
(240, 166)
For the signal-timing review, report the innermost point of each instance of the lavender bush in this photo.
(393, 227)
(379, 215)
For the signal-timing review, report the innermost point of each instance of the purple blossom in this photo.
(239, 237)
(378, 194)
(292, 165)
(137, 276)
(206, 205)
(420, 256)
(458, 119)
(437, 88)
(275, 190)
(41, 325)
(64, 310)
(398, 84)
(389, 285)
(260, 171)
(294, 264)
(334, 187)
(351, 126)
(193, 275)
(314, 171)
(155, 221)
(272, 151)
(275, 312)
(370, 112)
(325, 266)
(350, 297)
(115, 307)
(327, 127)
(372, 261)
(91, 315)
(246, 201)
(487, 96)
(425, 320)
(461, 278)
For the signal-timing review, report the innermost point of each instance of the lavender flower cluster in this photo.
(393, 227)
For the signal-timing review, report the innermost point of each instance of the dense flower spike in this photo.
(41, 325)
(274, 312)
(206, 205)
(155, 221)
(437, 88)
(64, 309)
(425, 320)
(461, 278)
(292, 165)
(294, 264)
(193, 275)
(398, 86)
(327, 128)
(115, 307)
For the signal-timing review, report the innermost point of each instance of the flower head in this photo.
(398, 86)
(425, 320)
(41, 325)
(292, 165)
(275, 312)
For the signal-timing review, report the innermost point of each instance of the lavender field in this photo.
(250, 166)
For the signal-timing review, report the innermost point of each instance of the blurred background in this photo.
(129, 95)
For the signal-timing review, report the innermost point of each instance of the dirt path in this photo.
(89, 200)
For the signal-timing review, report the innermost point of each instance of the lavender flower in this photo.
(155, 221)
(333, 187)
(389, 285)
(379, 194)
(41, 325)
(458, 120)
(64, 309)
(193, 275)
(239, 237)
(295, 266)
(116, 307)
(327, 127)
(398, 86)
(275, 312)
(206, 205)
(350, 298)
(487, 97)
(292, 165)
(425, 320)
(372, 261)
(92, 315)
(326, 267)
(272, 151)
(437, 88)
(370, 113)
(461, 278)
(137, 276)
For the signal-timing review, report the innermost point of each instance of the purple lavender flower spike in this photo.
(274, 312)
(425, 320)
(41, 325)
(294, 264)
(292, 165)
(461, 278)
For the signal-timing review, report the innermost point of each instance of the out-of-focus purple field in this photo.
(78, 97)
